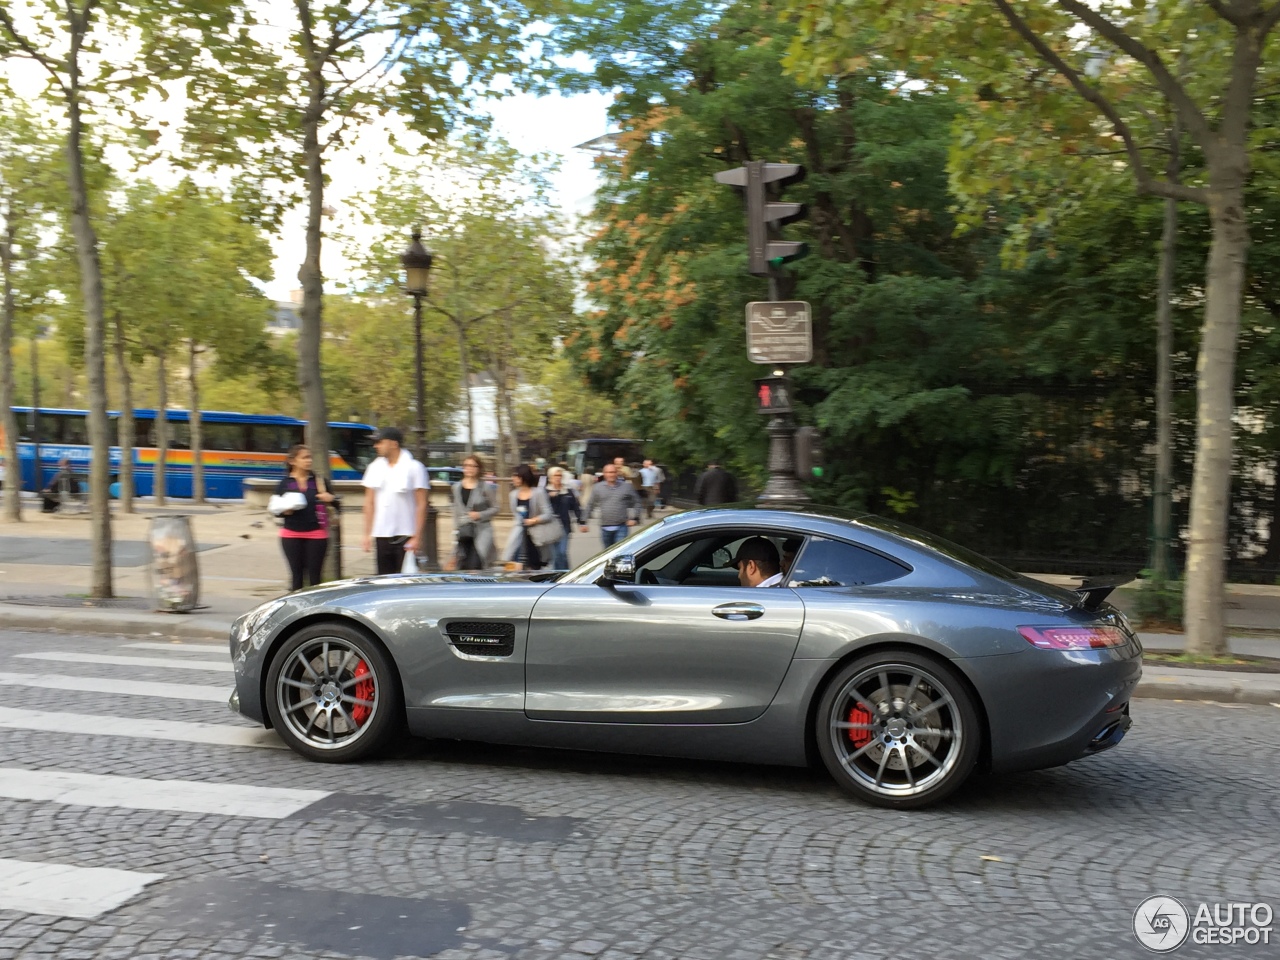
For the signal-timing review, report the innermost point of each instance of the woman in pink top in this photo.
(305, 536)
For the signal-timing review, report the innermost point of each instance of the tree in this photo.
(346, 66)
(1226, 39)
(63, 38)
(29, 195)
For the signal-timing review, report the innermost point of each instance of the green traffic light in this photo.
(817, 471)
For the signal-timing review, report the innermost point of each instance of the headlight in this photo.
(251, 625)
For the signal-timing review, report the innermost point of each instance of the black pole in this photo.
(427, 536)
(35, 409)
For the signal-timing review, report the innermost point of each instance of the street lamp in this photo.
(417, 271)
(546, 429)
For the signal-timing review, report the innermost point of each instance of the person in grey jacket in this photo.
(530, 508)
(617, 503)
(475, 504)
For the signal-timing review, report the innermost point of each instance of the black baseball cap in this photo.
(388, 433)
(758, 549)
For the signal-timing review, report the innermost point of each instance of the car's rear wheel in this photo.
(898, 729)
(331, 693)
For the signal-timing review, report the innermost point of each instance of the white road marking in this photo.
(133, 793)
(214, 648)
(137, 688)
(59, 890)
(185, 731)
(60, 656)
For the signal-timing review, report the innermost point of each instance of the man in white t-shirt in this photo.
(395, 501)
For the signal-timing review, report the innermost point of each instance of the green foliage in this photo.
(1158, 602)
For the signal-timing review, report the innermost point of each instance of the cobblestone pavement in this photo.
(458, 850)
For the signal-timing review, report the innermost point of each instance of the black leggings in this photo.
(304, 556)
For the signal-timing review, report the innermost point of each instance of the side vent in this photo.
(481, 638)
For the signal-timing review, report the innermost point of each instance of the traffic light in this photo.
(765, 216)
(773, 395)
(809, 456)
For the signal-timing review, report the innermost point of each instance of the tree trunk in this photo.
(1272, 556)
(197, 428)
(160, 485)
(126, 432)
(8, 421)
(1203, 608)
(100, 586)
(1162, 506)
(464, 363)
(312, 280)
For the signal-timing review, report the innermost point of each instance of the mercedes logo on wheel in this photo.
(1161, 924)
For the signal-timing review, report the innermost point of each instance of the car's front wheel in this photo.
(898, 729)
(331, 694)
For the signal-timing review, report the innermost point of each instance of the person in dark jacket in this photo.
(717, 485)
(305, 535)
(566, 506)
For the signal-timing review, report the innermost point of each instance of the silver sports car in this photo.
(901, 660)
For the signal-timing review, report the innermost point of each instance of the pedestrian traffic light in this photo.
(773, 395)
(764, 216)
(809, 455)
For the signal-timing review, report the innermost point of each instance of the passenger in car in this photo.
(757, 563)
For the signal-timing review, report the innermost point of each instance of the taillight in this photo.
(1073, 638)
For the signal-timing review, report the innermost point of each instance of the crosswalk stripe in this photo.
(134, 793)
(137, 688)
(182, 730)
(59, 890)
(215, 648)
(60, 656)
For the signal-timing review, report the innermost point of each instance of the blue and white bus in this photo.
(235, 446)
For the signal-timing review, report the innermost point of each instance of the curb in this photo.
(1229, 689)
(175, 626)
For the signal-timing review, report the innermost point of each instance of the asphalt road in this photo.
(139, 820)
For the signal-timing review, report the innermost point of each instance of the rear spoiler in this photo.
(1093, 591)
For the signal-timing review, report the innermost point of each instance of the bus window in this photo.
(274, 438)
(224, 436)
(353, 444)
(75, 428)
(48, 427)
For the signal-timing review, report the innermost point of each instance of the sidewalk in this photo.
(44, 580)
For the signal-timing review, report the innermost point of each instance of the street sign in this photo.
(779, 331)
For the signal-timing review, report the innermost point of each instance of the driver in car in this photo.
(757, 563)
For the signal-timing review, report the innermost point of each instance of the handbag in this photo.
(545, 534)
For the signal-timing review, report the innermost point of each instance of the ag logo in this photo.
(1161, 924)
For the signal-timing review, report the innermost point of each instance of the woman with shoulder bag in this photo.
(535, 524)
(566, 506)
(304, 504)
(475, 504)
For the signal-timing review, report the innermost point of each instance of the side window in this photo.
(223, 436)
(833, 563)
(74, 429)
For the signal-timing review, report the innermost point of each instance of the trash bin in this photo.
(175, 577)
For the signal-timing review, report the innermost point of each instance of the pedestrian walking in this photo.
(475, 503)
(395, 501)
(62, 486)
(305, 508)
(651, 478)
(565, 504)
(716, 485)
(615, 501)
(535, 525)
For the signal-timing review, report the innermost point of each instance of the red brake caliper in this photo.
(860, 738)
(364, 691)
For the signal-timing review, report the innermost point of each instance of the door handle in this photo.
(738, 611)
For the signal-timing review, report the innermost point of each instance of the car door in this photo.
(659, 653)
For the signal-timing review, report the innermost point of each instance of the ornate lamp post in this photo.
(417, 271)
(546, 429)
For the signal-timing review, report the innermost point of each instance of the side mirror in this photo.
(620, 569)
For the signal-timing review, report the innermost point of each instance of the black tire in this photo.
(319, 699)
(898, 729)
